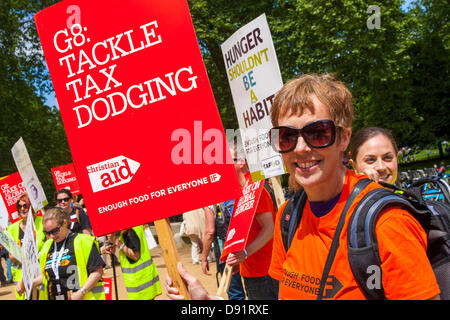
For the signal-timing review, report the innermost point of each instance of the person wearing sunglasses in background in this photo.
(79, 219)
(71, 265)
(312, 118)
(17, 232)
(374, 152)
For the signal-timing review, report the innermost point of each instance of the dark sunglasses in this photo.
(20, 206)
(318, 134)
(53, 231)
(63, 199)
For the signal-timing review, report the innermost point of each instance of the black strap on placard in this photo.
(335, 242)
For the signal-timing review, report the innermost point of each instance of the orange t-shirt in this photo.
(406, 270)
(257, 264)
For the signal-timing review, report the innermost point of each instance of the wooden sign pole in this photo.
(276, 185)
(225, 280)
(170, 254)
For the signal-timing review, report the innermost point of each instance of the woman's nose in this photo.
(301, 146)
(379, 165)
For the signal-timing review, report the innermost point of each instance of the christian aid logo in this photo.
(231, 234)
(112, 172)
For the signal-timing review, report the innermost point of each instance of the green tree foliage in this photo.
(23, 82)
(214, 22)
(380, 65)
(329, 36)
(430, 59)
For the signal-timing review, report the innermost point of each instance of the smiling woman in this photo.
(330, 192)
(17, 232)
(373, 151)
(71, 265)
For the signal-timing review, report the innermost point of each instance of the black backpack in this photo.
(223, 218)
(272, 195)
(363, 254)
(431, 187)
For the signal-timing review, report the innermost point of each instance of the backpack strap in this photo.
(77, 211)
(272, 194)
(290, 220)
(441, 183)
(363, 251)
(360, 186)
(291, 216)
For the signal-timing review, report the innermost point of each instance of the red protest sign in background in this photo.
(11, 188)
(64, 177)
(145, 134)
(242, 218)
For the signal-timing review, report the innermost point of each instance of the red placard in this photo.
(64, 177)
(145, 134)
(107, 284)
(242, 218)
(11, 188)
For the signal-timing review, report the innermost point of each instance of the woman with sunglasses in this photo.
(312, 118)
(71, 264)
(79, 219)
(17, 232)
(373, 152)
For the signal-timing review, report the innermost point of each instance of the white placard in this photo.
(10, 245)
(3, 215)
(29, 177)
(150, 239)
(254, 77)
(30, 256)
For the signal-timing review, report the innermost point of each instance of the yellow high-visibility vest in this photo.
(141, 278)
(82, 246)
(14, 230)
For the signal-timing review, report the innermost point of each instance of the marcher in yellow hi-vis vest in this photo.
(138, 269)
(17, 232)
(71, 264)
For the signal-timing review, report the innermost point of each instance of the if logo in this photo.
(333, 285)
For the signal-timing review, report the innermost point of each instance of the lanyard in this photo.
(57, 261)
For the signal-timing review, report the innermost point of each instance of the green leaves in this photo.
(384, 67)
(23, 82)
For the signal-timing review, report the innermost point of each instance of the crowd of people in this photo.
(312, 130)
(70, 256)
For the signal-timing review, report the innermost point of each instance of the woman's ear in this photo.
(346, 134)
(353, 165)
